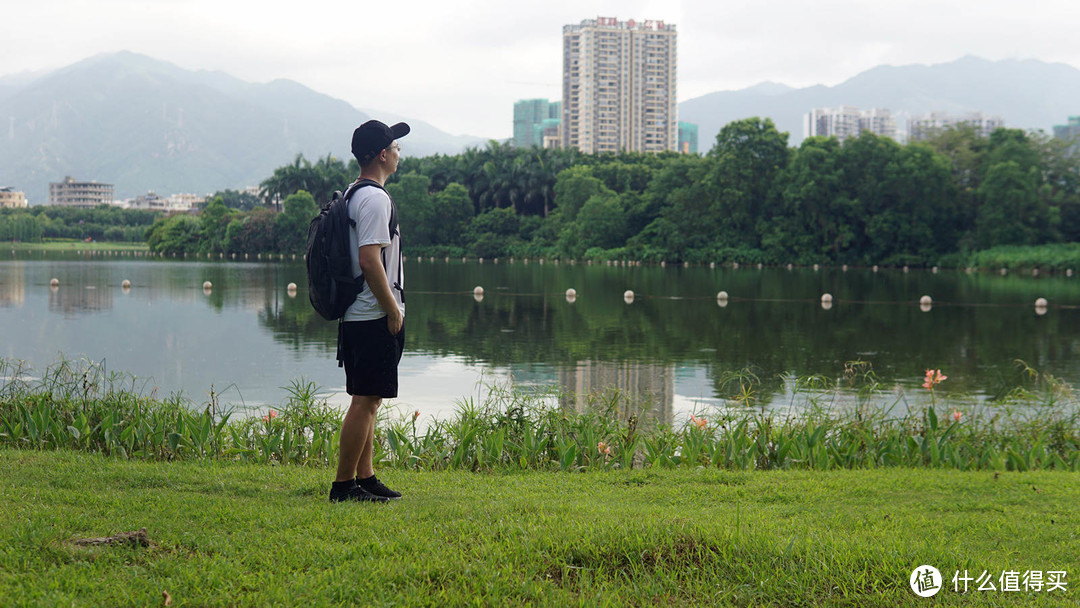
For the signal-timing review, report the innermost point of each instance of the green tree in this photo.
(291, 225)
(415, 213)
(213, 220)
(747, 157)
(1011, 212)
(454, 210)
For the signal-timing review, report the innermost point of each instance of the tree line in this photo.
(751, 198)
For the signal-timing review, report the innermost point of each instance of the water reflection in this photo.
(643, 389)
(13, 284)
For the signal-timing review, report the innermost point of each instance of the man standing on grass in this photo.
(371, 336)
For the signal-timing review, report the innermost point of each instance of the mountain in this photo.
(144, 124)
(1028, 94)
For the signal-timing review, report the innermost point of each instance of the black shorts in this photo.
(370, 356)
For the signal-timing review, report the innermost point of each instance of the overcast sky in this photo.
(461, 66)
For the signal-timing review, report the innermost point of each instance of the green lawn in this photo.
(230, 534)
(76, 245)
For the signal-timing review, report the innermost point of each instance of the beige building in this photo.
(619, 82)
(11, 198)
(70, 193)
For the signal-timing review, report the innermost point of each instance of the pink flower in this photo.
(698, 422)
(416, 414)
(270, 416)
(603, 448)
(933, 377)
(956, 416)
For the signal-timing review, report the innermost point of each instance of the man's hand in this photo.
(394, 320)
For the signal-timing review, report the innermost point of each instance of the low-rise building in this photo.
(10, 198)
(86, 195)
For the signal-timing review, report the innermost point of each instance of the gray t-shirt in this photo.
(370, 208)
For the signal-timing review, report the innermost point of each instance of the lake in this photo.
(673, 345)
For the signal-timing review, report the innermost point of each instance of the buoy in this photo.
(1068, 272)
(1004, 271)
(816, 267)
(1034, 272)
(934, 270)
(722, 295)
(826, 305)
(663, 263)
(844, 268)
(712, 264)
(686, 264)
(926, 300)
(826, 297)
(291, 287)
(462, 260)
(54, 283)
(1040, 303)
(447, 260)
(874, 268)
(790, 266)
(126, 284)
(905, 268)
(480, 260)
(628, 296)
(571, 293)
(496, 260)
(479, 297)
(735, 265)
(478, 291)
(207, 285)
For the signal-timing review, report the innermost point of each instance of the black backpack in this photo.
(332, 288)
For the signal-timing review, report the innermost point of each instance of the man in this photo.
(371, 337)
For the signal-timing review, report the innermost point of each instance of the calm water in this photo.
(247, 338)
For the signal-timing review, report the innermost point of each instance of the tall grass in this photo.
(80, 405)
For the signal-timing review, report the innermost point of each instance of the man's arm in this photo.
(375, 277)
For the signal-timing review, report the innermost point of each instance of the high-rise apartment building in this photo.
(848, 121)
(925, 126)
(688, 138)
(1069, 131)
(536, 121)
(70, 193)
(619, 86)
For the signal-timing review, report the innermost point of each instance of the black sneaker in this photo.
(373, 486)
(354, 492)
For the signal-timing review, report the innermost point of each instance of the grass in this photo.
(234, 534)
(1056, 256)
(77, 405)
(77, 245)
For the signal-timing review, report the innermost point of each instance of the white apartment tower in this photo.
(619, 86)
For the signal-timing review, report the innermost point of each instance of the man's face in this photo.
(393, 155)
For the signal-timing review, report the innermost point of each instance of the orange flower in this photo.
(416, 414)
(933, 377)
(698, 422)
(956, 416)
(270, 416)
(603, 448)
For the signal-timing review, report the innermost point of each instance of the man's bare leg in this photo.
(357, 435)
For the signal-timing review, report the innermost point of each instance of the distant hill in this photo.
(143, 124)
(1028, 94)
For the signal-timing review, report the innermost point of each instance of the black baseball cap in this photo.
(373, 137)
